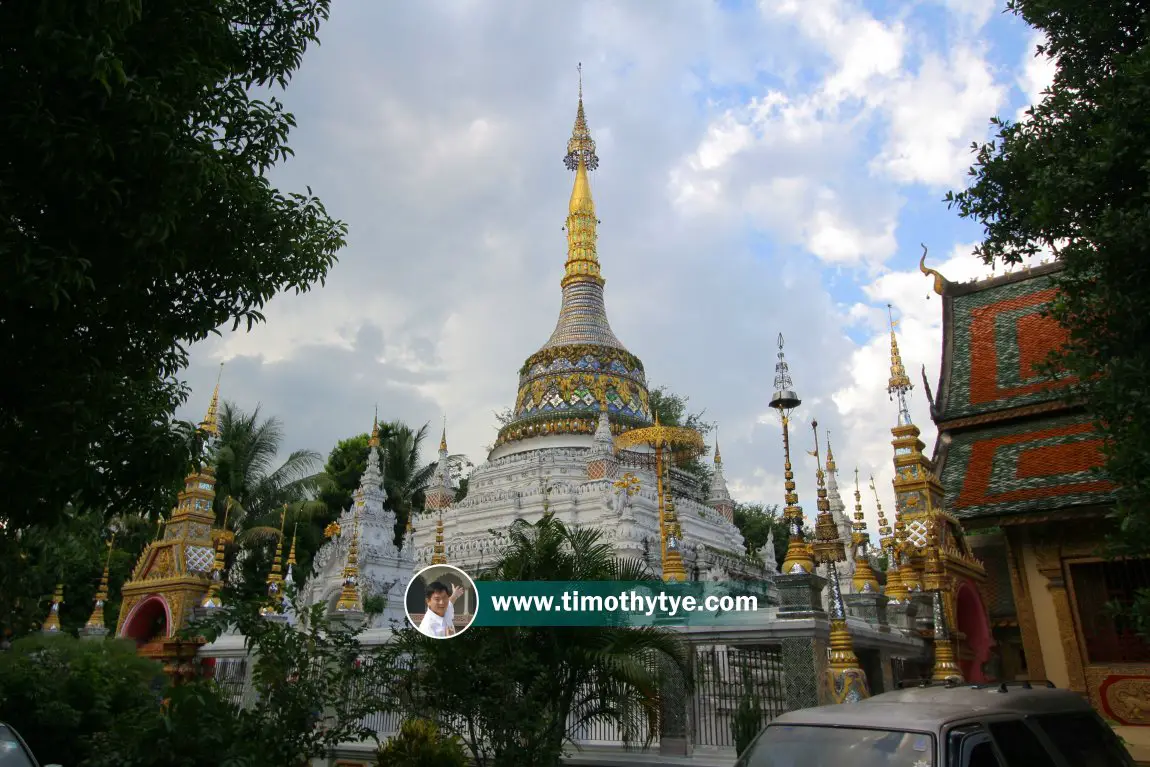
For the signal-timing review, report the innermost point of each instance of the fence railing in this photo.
(722, 676)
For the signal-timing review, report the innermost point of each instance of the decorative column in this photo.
(848, 683)
(799, 558)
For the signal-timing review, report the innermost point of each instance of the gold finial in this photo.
(940, 282)
(718, 455)
(374, 441)
(886, 539)
(443, 439)
(275, 577)
(349, 598)
(828, 547)
(831, 469)
(439, 553)
(291, 555)
(211, 423)
(864, 579)
(582, 260)
(899, 384)
(96, 619)
(51, 624)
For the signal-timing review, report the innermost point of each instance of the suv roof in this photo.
(930, 708)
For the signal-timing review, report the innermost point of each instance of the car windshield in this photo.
(811, 746)
(12, 753)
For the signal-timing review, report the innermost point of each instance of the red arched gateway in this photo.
(149, 620)
(971, 619)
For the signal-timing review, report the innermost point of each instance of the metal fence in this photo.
(726, 674)
(231, 675)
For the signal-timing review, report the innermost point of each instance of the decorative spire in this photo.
(439, 554)
(799, 558)
(864, 579)
(51, 624)
(895, 589)
(212, 598)
(582, 261)
(291, 563)
(831, 468)
(673, 570)
(828, 545)
(940, 282)
(718, 455)
(374, 440)
(899, 385)
(349, 600)
(720, 499)
(443, 439)
(96, 619)
(275, 582)
(211, 425)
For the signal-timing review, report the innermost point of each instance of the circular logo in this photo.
(441, 601)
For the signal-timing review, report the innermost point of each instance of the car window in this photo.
(811, 746)
(1019, 745)
(12, 752)
(982, 755)
(970, 746)
(1084, 740)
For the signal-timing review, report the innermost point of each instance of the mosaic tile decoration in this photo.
(997, 338)
(199, 559)
(583, 317)
(1033, 466)
(800, 672)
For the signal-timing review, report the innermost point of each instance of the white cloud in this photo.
(1037, 73)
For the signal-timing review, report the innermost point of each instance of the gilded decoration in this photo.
(1126, 699)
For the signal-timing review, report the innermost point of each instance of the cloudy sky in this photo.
(765, 168)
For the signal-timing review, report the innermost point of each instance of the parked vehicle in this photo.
(14, 752)
(944, 725)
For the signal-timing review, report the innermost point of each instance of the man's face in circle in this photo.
(437, 603)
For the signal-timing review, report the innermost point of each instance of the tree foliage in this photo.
(512, 694)
(756, 521)
(1072, 179)
(136, 217)
(672, 410)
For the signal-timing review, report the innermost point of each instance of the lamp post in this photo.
(799, 558)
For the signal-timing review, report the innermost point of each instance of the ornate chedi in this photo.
(848, 682)
(720, 499)
(558, 385)
(276, 596)
(864, 579)
(895, 591)
(576, 396)
(927, 533)
(360, 562)
(174, 572)
(95, 628)
(51, 624)
(842, 522)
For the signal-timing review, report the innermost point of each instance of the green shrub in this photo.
(419, 743)
(748, 719)
(60, 693)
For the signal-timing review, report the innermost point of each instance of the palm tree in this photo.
(404, 478)
(518, 695)
(259, 497)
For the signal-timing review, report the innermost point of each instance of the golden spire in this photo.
(864, 579)
(831, 468)
(211, 423)
(718, 455)
(899, 385)
(799, 557)
(828, 547)
(439, 554)
(582, 261)
(374, 441)
(291, 555)
(443, 439)
(275, 577)
(349, 600)
(673, 570)
(890, 545)
(51, 624)
(96, 619)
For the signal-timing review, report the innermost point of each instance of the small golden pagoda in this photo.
(864, 580)
(95, 628)
(933, 554)
(174, 572)
(848, 682)
(51, 624)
